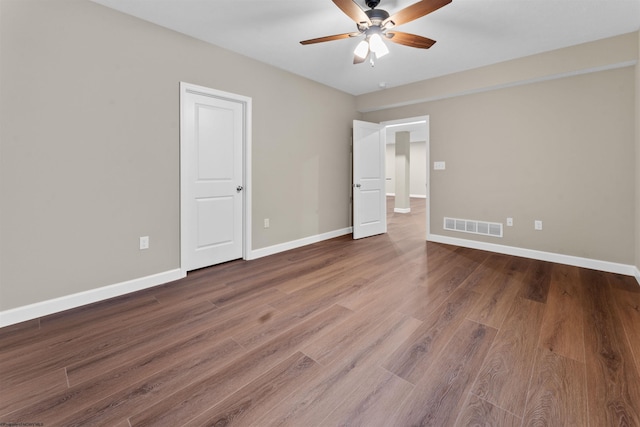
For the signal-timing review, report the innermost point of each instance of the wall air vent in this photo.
(476, 227)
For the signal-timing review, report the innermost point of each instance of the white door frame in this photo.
(428, 183)
(246, 181)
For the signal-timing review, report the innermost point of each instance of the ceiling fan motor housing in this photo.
(377, 16)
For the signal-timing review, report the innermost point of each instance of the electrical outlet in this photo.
(144, 242)
(537, 224)
(266, 223)
(509, 222)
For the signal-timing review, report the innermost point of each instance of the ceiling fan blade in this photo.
(330, 38)
(353, 11)
(415, 11)
(410, 39)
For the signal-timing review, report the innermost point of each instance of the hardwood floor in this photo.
(384, 331)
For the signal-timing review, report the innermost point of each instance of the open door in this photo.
(369, 196)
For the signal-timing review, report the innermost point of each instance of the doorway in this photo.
(214, 176)
(418, 127)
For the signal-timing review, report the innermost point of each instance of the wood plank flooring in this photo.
(384, 331)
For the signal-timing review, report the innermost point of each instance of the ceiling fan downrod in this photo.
(372, 3)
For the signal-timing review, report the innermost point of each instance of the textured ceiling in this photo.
(469, 33)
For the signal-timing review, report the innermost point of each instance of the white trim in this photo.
(248, 187)
(247, 191)
(411, 196)
(516, 83)
(594, 264)
(44, 308)
(402, 210)
(402, 122)
(271, 250)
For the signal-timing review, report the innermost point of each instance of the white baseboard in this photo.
(270, 250)
(402, 210)
(412, 196)
(594, 264)
(44, 308)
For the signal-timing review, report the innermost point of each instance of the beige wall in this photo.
(559, 150)
(606, 53)
(89, 155)
(638, 160)
(418, 168)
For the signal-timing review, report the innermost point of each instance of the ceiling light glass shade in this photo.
(362, 50)
(378, 46)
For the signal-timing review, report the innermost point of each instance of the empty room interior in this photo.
(320, 213)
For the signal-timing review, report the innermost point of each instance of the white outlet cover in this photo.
(537, 225)
(439, 166)
(144, 242)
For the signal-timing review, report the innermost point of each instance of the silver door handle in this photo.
(356, 185)
(239, 188)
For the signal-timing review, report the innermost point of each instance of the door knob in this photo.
(357, 185)
(239, 188)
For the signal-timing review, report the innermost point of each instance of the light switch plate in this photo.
(439, 166)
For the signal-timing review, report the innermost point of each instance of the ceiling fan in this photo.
(375, 25)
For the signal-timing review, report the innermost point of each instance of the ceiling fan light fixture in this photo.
(377, 45)
(362, 50)
(374, 24)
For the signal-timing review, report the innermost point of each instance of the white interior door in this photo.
(213, 199)
(369, 196)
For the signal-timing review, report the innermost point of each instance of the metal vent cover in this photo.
(472, 226)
